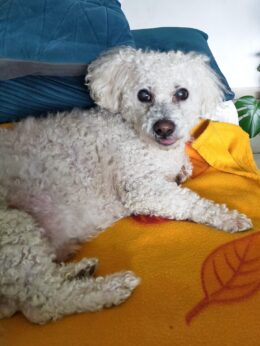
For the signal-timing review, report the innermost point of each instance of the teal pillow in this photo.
(58, 37)
(184, 39)
(45, 48)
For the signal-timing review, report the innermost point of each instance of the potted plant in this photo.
(248, 108)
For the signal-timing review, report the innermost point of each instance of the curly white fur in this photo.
(65, 178)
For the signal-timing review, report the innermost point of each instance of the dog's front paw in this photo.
(234, 221)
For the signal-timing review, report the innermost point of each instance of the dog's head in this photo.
(161, 94)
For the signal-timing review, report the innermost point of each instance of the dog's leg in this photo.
(8, 307)
(161, 198)
(23, 253)
(77, 270)
(31, 282)
(58, 297)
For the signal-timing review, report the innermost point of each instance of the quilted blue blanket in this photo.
(57, 37)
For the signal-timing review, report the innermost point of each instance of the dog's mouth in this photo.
(166, 141)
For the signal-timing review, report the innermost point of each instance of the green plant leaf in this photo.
(248, 108)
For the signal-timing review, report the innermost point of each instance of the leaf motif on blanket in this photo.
(230, 273)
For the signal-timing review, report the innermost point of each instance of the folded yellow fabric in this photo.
(200, 286)
(226, 147)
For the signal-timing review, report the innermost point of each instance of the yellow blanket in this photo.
(199, 286)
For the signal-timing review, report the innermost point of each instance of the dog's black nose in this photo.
(164, 128)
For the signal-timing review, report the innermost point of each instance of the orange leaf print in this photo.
(230, 273)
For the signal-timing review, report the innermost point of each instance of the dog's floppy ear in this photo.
(108, 75)
(210, 87)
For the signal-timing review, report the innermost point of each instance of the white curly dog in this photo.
(65, 178)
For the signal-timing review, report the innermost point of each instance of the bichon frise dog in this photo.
(65, 178)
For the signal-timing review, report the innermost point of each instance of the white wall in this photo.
(233, 27)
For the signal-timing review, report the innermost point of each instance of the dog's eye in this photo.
(181, 95)
(145, 95)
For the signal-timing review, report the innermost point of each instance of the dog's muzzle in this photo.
(164, 132)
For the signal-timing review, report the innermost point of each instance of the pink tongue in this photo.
(167, 141)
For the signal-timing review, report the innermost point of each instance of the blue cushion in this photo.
(67, 32)
(38, 95)
(45, 47)
(184, 39)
